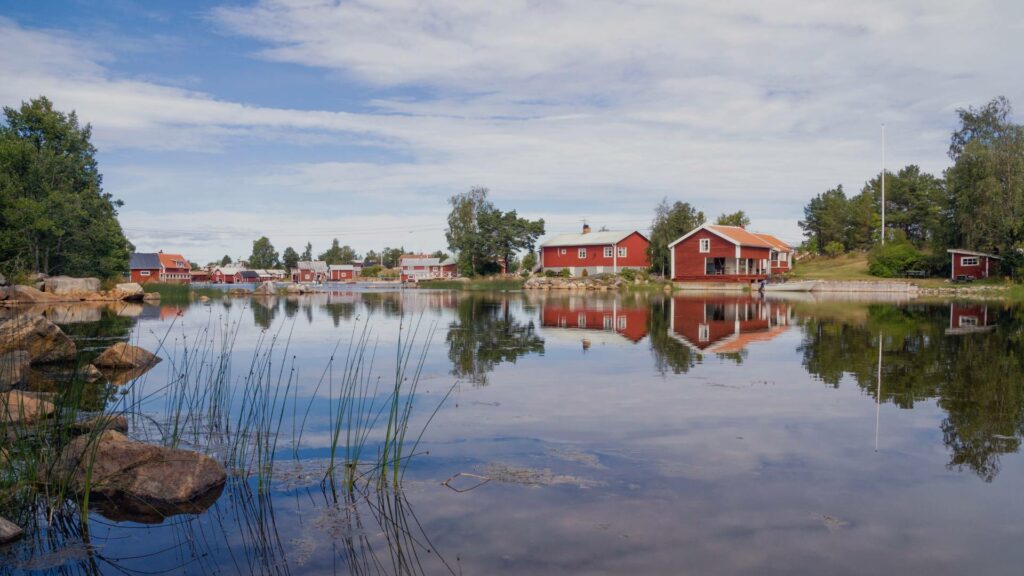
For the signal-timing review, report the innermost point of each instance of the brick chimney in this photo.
(586, 228)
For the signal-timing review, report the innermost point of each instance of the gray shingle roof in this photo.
(144, 261)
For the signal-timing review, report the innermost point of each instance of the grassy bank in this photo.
(475, 284)
(845, 267)
(180, 293)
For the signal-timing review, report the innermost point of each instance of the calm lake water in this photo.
(617, 434)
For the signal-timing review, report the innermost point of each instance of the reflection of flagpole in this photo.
(878, 391)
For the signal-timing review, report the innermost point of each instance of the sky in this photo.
(307, 120)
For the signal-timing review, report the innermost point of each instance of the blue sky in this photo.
(305, 120)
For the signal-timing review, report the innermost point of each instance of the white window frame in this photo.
(581, 320)
(705, 245)
(143, 272)
(968, 321)
(703, 333)
(607, 321)
(562, 252)
(970, 261)
(608, 252)
(581, 254)
(621, 321)
(622, 251)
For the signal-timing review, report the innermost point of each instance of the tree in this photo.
(529, 261)
(482, 235)
(263, 254)
(54, 215)
(985, 185)
(339, 254)
(391, 256)
(738, 218)
(670, 222)
(825, 218)
(290, 258)
(307, 254)
(914, 204)
(373, 258)
(440, 255)
(225, 260)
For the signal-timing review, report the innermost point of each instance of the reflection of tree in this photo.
(978, 379)
(339, 311)
(670, 355)
(486, 335)
(263, 311)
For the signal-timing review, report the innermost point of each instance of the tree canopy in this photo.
(338, 254)
(670, 222)
(290, 258)
(307, 254)
(54, 215)
(482, 236)
(737, 218)
(263, 254)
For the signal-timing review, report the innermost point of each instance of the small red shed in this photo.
(971, 265)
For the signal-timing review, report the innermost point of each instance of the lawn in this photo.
(845, 267)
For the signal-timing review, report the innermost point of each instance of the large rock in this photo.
(266, 288)
(68, 286)
(131, 290)
(13, 369)
(30, 294)
(43, 340)
(20, 407)
(123, 355)
(100, 423)
(130, 480)
(9, 531)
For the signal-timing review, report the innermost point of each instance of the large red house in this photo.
(715, 253)
(159, 267)
(595, 252)
(970, 265)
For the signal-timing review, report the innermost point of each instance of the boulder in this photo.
(43, 340)
(9, 531)
(13, 369)
(204, 298)
(266, 288)
(121, 376)
(90, 373)
(100, 423)
(22, 407)
(3, 293)
(68, 286)
(295, 289)
(123, 355)
(131, 291)
(131, 480)
(30, 294)
(151, 296)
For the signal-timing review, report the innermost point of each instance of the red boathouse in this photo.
(595, 252)
(970, 265)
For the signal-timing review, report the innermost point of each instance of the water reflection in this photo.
(590, 319)
(486, 332)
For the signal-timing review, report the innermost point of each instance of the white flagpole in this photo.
(883, 184)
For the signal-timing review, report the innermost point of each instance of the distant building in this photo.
(159, 267)
(226, 275)
(595, 252)
(415, 269)
(341, 272)
(310, 272)
(970, 265)
(249, 276)
(716, 253)
(200, 275)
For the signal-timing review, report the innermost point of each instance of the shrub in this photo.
(584, 273)
(894, 259)
(550, 273)
(833, 249)
(628, 274)
(564, 273)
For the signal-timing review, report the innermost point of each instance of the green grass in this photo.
(475, 284)
(846, 267)
(180, 293)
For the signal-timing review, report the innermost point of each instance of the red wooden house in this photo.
(310, 272)
(715, 253)
(159, 267)
(226, 275)
(726, 324)
(968, 318)
(415, 269)
(341, 272)
(970, 265)
(595, 252)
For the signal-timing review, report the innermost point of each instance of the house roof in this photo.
(174, 261)
(249, 274)
(778, 244)
(735, 234)
(972, 253)
(341, 267)
(315, 266)
(426, 262)
(590, 239)
(228, 270)
(144, 261)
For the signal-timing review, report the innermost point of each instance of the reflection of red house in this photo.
(970, 265)
(968, 318)
(723, 324)
(595, 252)
(714, 253)
(597, 315)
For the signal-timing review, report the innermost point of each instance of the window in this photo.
(703, 333)
(143, 272)
(607, 322)
(969, 261)
(607, 251)
(621, 320)
(562, 251)
(705, 245)
(581, 320)
(582, 253)
(968, 321)
(622, 251)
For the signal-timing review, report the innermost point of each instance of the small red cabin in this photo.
(159, 267)
(970, 265)
(415, 269)
(226, 275)
(341, 272)
(715, 253)
(595, 252)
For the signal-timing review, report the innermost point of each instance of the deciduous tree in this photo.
(670, 222)
(263, 254)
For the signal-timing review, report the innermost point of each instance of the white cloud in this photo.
(564, 109)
